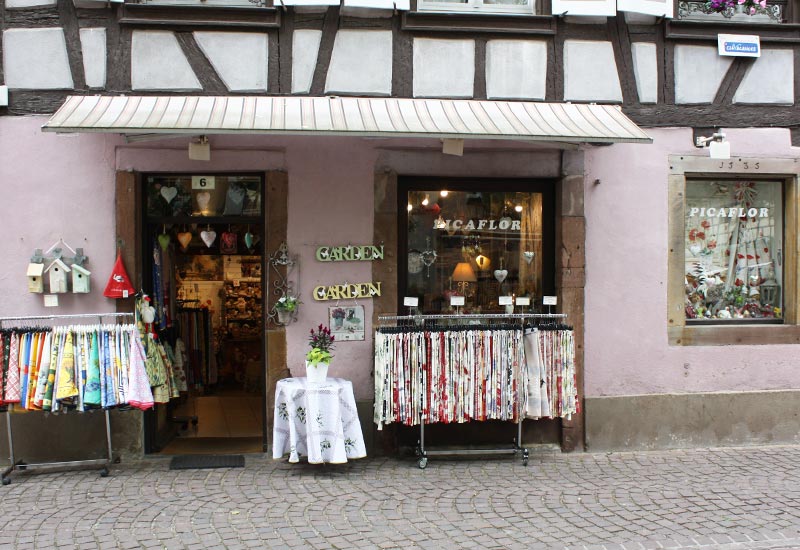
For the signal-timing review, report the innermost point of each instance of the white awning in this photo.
(346, 116)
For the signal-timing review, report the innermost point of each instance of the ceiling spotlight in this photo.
(443, 193)
(518, 208)
(426, 200)
(409, 207)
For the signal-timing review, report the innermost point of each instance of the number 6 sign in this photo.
(203, 182)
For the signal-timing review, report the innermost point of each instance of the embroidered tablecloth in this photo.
(319, 421)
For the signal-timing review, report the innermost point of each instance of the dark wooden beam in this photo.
(402, 61)
(208, 77)
(474, 23)
(479, 82)
(46, 16)
(69, 22)
(329, 29)
(621, 42)
(118, 58)
(285, 42)
(732, 79)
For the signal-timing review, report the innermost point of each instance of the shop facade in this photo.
(664, 359)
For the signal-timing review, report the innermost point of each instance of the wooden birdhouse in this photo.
(80, 279)
(57, 271)
(35, 278)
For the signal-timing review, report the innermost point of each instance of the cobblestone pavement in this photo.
(728, 499)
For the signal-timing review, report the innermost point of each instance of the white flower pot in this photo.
(316, 373)
(284, 316)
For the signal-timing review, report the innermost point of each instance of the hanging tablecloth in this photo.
(319, 421)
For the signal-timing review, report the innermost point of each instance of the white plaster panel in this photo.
(516, 69)
(11, 4)
(699, 71)
(769, 80)
(444, 68)
(305, 49)
(361, 62)
(93, 46)
(590, 71)
(645, 69)
(158, 63)
(240, 58)
(36, 59)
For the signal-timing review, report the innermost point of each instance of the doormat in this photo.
(192, 462)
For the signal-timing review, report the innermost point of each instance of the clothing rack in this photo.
(486, 320)
(104, 463)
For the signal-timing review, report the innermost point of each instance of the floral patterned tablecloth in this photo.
(318, 421)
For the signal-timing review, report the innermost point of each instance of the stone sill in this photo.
(479, 22)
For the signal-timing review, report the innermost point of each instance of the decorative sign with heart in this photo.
(169, 193)
(184, 238)
(228, 243)
(248, 240)
(428, 257)
(203, 198)
(163, 240)
(208, 237)
(234, 201)
(500, 275)
(528, 256)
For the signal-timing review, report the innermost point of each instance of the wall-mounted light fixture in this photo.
(200, 149)
(718, 148)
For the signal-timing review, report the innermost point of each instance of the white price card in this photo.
(411, 301)
(506, 300)
(456, 300)
(523, 301)
(550, 300)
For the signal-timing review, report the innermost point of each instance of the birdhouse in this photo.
(57, 271)
(35, 279)
(80, 279)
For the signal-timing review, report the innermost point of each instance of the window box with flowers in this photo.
(737, 11)
(286, 309)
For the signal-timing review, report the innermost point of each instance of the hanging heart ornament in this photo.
(169, 193)
(500, 275)
(248, 240)
(184, 238)
(148, 314)
(164, 239)
(428, 257)
(528, 256)
(203, 198)
(208, 237)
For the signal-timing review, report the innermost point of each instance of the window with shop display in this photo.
(733, 251)
(479, 244)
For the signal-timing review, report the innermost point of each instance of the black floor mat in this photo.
(192, 462)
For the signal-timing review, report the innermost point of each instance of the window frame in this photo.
(686, 167)
(475, 6)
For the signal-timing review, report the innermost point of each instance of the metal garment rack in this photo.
(419, 322)
(15, 464)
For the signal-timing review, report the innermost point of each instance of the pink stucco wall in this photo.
(626, 278)
(54, 187)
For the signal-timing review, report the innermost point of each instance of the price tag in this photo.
(124, 293)
(411, 301)
(549, 300)
(506, 300)
(204, 182)
(523, 301)
(456, 300)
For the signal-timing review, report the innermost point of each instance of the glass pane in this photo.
(187, 195)
(480, 245)
(734, 247)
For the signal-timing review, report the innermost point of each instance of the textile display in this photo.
(319, 421)
(449, 376)
(198, 346)
(462, 375)
(77, 367)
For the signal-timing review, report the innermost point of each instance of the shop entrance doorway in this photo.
(203, 270)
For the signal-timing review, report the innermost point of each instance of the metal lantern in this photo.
(770, 292)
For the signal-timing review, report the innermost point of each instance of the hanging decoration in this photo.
(500, 275)
(208, 236)
(203, 198)
(184, 239)
(528, 256)
(169, 193)
(248, 239)
(228, 243)
(119, 283)
(164, 239)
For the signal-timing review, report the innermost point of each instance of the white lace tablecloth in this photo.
(319, 421)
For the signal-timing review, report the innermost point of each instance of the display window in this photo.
(733, 251)
(477, 240)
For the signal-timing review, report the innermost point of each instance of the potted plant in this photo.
(285, 308)
(319, 356)
(338, 315)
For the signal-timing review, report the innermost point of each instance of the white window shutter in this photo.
(584, 7)
(661, 8)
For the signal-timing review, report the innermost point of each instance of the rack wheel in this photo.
(6, 481)
(422, 462)
(525, 456)
(104, 472)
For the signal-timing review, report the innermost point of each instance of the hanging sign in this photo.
(456, 301)
(505, 300)
(523, 301)
(411, 301)
(347, 291)
(204, 182)
(549, 300)
(349, 253)
(739, 45)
